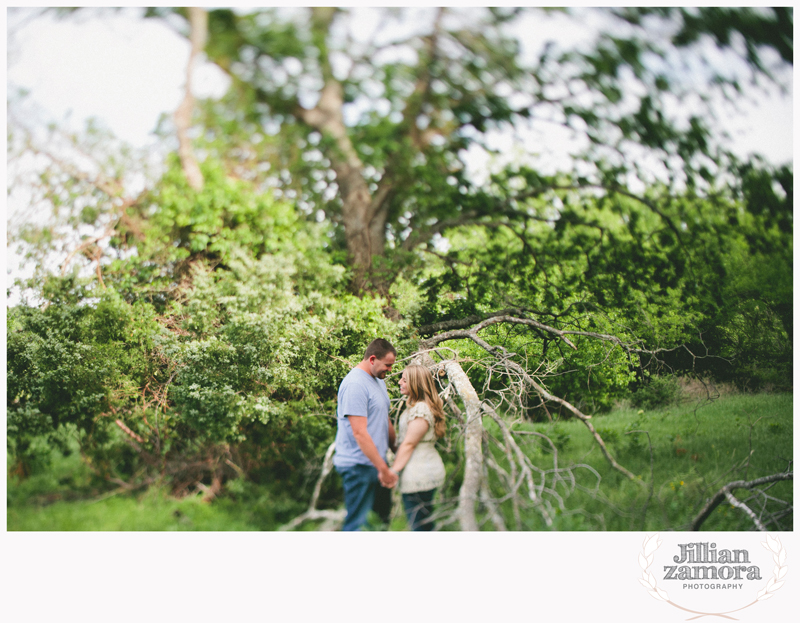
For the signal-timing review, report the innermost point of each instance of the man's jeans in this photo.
(359, 483)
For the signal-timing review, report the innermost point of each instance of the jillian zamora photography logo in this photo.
(714, 577)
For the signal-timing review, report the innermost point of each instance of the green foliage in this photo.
(226, 212)
(713, 273)
(658, 392)
(240, 360)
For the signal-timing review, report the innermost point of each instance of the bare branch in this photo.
(523, 464)
(500, 353)
(742, 506)
(333, 518)
(327, 466)
(494, 319)
(472, 445)
(461, 323)
(731, 486)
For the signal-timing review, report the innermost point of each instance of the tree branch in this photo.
(333, 518)
(494, 319)
(461, 323)
(725, 491)
(505, 358)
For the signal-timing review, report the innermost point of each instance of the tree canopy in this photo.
(374, 128)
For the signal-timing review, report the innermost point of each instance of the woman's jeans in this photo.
(359, 482)
(419, 508)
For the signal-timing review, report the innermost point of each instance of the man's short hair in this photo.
(380, 348)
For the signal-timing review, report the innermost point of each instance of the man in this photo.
(364, 432)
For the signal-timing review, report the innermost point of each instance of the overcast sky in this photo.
(127, 72)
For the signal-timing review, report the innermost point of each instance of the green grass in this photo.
(695, 451)
(64, 496)
(152, 511)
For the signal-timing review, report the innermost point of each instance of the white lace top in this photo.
(425, 469)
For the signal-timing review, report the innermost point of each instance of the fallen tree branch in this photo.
(746, 509)
(461, 323)
(505, 357)
(494, 319)
(333, 518)
(473, 451)
(523, 464)
(727, 490)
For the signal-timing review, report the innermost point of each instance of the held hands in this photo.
(388, 478)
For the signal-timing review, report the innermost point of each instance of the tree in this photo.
(374, 132)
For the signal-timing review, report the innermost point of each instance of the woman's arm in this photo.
(415, 432)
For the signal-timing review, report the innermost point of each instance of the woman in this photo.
(417, 463)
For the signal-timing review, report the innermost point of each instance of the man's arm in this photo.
(359, 425)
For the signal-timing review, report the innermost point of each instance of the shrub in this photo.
(657, 393)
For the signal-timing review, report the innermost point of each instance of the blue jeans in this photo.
(359, 482)
(419, 508)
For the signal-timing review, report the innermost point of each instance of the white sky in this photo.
(123, 70)
(128, 71)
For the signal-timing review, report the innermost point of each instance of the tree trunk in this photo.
(198, 21)
(473, 451)
(364, 222)
(363, 216)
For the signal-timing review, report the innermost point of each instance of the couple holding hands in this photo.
(365, 433)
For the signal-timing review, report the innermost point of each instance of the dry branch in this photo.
(472, 445)
(333, 518)
(523, 461)
(469, 334)
(505, 358)
(726, 492)
(461, 323)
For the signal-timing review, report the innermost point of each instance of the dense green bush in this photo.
(657, 392)
(232, 369)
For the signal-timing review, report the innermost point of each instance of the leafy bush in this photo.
(657, 393)
(224, 364)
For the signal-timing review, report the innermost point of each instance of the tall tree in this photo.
(374, 130)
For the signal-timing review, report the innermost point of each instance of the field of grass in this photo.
(695, 449)
(64, 497)
(682, 454)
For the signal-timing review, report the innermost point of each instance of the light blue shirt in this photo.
(361, 394)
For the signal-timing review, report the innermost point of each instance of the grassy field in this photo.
(695, 448)
(64, 497)
(683, 455)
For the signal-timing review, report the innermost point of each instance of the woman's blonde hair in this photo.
(421, 386)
